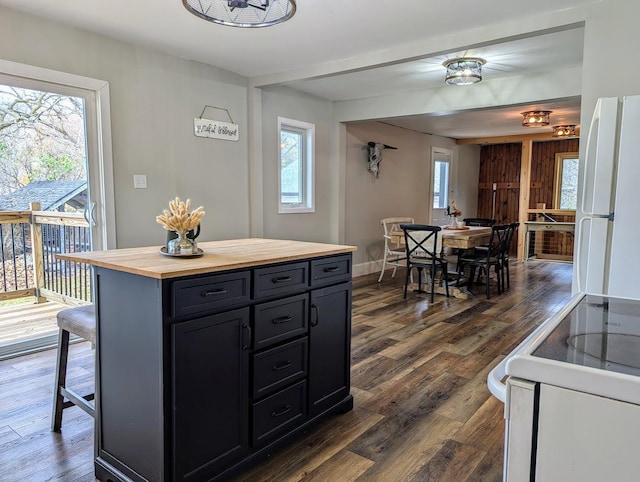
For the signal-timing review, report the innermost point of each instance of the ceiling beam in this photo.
(542, 136)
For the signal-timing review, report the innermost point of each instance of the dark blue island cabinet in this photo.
(206, 365)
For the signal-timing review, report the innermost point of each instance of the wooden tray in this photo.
(454, 228)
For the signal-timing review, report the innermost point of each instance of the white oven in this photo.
(572, 395)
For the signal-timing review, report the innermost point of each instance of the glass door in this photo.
(50, 154)
(440, 182)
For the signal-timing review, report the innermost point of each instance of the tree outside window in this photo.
(566, 181)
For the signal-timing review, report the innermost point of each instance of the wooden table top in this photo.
(218, 256)
(455, 238)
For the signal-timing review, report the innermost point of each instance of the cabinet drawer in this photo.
(280, 320)
(279, 412)
(209, 293)
(278, 280)
(331, 270)
(277, 367)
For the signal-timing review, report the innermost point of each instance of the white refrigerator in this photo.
(572, 391)
(608, 215)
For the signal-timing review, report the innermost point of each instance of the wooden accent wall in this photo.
(543, 168)
(500, 164)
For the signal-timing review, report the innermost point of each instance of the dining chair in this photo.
(394, 253)
(476, 222)
(505, 256)
(423, 247)
(491, 255)
(482, 222)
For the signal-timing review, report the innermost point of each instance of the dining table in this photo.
(466, 237)
(459, 238)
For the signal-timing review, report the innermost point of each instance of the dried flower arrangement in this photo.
(456, 213)
(178, 218)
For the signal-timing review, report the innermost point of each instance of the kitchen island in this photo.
(206, 364)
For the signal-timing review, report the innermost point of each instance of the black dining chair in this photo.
(482, 222)
(505, 256)
(485, 257)
(476, 222)
(423, 251)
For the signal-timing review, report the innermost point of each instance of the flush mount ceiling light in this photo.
(464, 70)
(564, 131)
(242, 13)
(536, 118)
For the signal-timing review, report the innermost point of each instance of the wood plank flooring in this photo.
(422, 410)
(21, 322)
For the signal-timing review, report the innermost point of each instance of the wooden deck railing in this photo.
(29, 242)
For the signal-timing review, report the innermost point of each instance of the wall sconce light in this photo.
(464, 70)
(536, 118)
(564, 131)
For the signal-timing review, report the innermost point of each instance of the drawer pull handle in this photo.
(281, 319)
(282, 366)
(219, 291)
(331, 269)
(281, 279)
(246, 336)
(281, 411)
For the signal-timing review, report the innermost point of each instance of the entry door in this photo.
(440, 185)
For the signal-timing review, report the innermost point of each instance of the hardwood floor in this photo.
(422, 410)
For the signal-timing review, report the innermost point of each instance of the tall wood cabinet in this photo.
(200, 375)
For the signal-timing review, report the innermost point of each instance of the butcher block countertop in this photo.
(218, 256)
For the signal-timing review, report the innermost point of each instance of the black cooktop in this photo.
(600, 332)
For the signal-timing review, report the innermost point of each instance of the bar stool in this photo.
(80, 321)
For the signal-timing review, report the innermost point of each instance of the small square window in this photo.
(295, 172)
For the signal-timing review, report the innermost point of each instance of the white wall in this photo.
(284, 102)
(154, 98)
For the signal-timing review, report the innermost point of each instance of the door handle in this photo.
(89, 214)
(314, 319)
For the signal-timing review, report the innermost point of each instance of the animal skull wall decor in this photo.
(375, 156)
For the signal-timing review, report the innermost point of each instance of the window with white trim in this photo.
(295, 166)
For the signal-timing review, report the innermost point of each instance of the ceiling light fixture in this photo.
(536, 118)
(564, 131)
(464, 70)
(242, 13)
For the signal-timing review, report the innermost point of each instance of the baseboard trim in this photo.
(370, 267)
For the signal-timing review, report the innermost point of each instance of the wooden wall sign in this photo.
(215, 129)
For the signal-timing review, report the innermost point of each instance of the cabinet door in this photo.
(210, 393)
(329, 347)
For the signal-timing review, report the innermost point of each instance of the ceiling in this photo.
(521, 57)
(330, 32)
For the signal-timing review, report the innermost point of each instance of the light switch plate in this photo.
(139, 181)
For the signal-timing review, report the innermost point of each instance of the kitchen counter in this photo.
(207, 364)
(218, 256)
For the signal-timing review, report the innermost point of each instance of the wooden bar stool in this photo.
(80, 321)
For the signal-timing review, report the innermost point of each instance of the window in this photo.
(440, 183)
(296, 148)
(565, 195)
